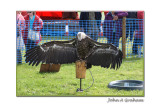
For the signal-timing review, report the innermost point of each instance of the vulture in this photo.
(80, 48)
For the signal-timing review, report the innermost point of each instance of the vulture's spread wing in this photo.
(56, 52)
(105, 55)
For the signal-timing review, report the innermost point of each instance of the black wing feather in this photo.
(56, 52)
(105, 55)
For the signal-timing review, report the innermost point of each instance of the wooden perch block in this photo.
(80, 69)
(50, 67)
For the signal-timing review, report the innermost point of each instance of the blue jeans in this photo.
(19, 56)
(30, 44)
(114, 40)
(136, 42)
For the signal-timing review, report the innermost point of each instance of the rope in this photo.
(92, 82)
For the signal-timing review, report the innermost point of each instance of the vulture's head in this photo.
(81, 35)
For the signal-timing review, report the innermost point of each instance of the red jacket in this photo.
(49, 15)
(140, 15)
(24, 13)
(105, 13)
(140, 33)
(37, 26)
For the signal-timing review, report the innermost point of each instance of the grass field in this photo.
(64, 83)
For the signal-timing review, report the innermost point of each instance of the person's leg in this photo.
(108, 40)
(114, 39)
(85, 29)
(135, 46)
(19, 56)
(30, 44)
(117, 41)
(95, 34)
(92, 30)
(127, 28)
(132, 29)
(139, 43)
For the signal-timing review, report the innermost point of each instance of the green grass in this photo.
(64, 83)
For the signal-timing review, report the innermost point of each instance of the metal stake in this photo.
(80, 89)
(80, 83)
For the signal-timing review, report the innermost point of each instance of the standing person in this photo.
(131, 25)
(31, 33)
(69, 15)
(90, 22)
(20, 25)
(138, 38)
(113, 26)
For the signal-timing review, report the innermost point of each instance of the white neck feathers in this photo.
(81, 35)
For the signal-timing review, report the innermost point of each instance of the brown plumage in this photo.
(80, 48)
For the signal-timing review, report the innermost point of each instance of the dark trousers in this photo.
(114, 40)
(93, 34)
(19, 56)
(91, 28)
(30, 44)
(131, 26)
(136, 42)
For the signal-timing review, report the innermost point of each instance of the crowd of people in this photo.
(30, 24)
(28, 30)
